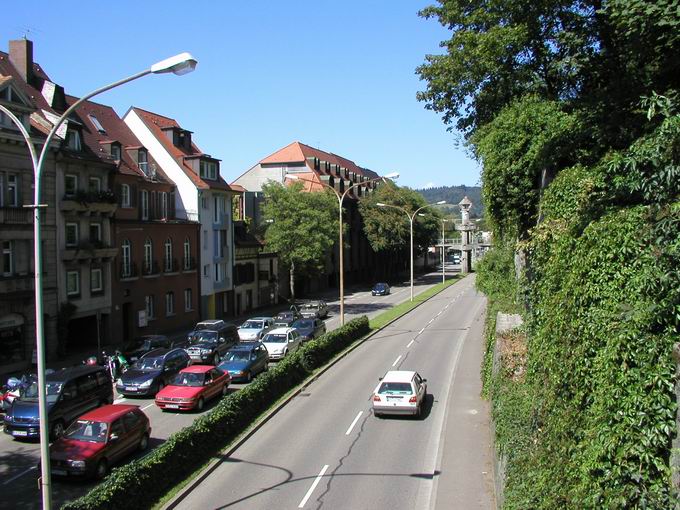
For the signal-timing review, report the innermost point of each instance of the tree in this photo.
(388, 229)
(302, 228)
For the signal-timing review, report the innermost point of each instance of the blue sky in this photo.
(339, 76)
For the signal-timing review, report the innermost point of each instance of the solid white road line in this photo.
(119, 399)
(396, 360)
(354, 423)
(19, 475)
(410, 343)
(311, 489)
(146, 407)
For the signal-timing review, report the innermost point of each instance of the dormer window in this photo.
(97, 125)
(73, 140)
(115, 151)
(9, 95)
(142, 161)
(208, 170)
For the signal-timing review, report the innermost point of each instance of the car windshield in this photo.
(286, 315)
(380, 286)
(149, 364)
(187, 379)
(310, 306)
(303, 324)
(31, 391)
(86, 430)
(252, 325)
(205, 336)
(275, 339)
(237, 356)
(398, 388)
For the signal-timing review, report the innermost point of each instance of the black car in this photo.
(143, 344)
(245, 360)
(380, 289)
(309, 328)
(151, 372)
(287, 318)
(210, 345)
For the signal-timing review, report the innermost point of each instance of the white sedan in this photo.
(399, 392)
(281, 341)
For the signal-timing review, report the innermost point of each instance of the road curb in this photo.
(214, 464)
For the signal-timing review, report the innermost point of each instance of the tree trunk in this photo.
(292, 282)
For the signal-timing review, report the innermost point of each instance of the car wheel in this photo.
(144, 442)
(216, 360)
(200, 404)
(102, 469)
(266, 367)
(249, 377)
(57, 430)
(419, 410)
(224, 390)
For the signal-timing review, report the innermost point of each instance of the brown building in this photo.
(155, 282)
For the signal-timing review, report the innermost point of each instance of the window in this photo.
(168, 255)
(126, 269)
(208, 170)
(12, 190)
(145, 204)
(164, 205)
(96, 283)
(206, 271)
(204, 202)
(7, 259)
(70, 184)
(169, 304)
(115, 151)
(124, 195)
(148, 256)
(95, 233)
(7, 122)
(95, 184)
(97, 125)
(216, 210)
(73, 140)
(148, 300)
(72, 283)
(219, 273)
(71, 234)
(187, 254)
(188, 301)
(142, 161)
(205, 239)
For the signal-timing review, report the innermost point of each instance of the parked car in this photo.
(255, 328)
(245, 360)
(150, 373)
(99, 439)
(192, 387)
(143, 344)
(380, 289)
(314, 310)
(210, 325)
(309, 328)
(399, 392)
(281, 341)
(286, 318)
(70, 393)
(209, 345)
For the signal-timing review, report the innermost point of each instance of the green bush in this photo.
(148, 479)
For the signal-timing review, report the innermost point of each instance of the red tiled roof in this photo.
(156, 123)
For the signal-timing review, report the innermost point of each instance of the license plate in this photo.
(60, 472)
(130, 388)
(133, 358)
(172, 406)
(393, 398)
(21, 433)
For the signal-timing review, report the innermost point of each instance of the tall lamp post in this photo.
(341, 198)
(179, 64)
(444, 220)
(411, 217)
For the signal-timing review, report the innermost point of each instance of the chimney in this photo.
(21, 57)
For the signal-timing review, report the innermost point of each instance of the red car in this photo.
(99, 439)
(192, 386)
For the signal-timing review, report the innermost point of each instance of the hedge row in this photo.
(146, 480)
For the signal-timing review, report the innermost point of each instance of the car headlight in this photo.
(146, 384)
(35, 419)
(78, 464)
(238, 372)
(119, 382)
(205, 351)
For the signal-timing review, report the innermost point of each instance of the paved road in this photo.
(18, 459)
(325, 449)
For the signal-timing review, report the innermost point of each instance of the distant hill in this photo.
(453, 195)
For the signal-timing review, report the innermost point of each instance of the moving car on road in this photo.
(143, 344)
(314, 310)
(286, 318)
(281, 341)
(255, 328)
(399, 392)
(245, 360)
(149, 374)
(310, 328)
(209, 345)
(99, 439)
(192, 387)
(380, 289)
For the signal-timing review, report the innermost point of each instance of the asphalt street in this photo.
(325, 449)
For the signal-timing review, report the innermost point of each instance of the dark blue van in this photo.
(70, 393)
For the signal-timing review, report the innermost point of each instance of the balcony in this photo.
(151, 269)
(87, 250)
(16, 216)
(16, 284)
(91, 202)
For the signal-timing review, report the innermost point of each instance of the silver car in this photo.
(281, 341)
(314, 310)
(255, 328)
(400, 392)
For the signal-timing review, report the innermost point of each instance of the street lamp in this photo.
(411, 218)
(392, 176)
(179, 64)
(444, 220)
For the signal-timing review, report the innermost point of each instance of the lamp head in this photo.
(179, 64)
(380, 204)
(393, 175)
(440, 202)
